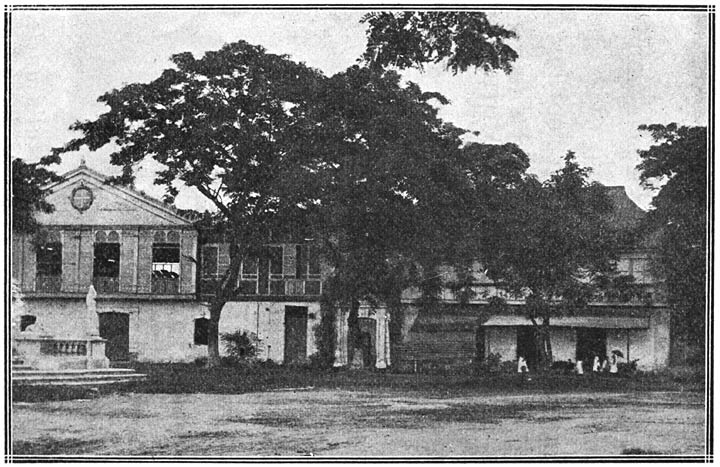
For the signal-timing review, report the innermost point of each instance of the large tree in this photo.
(228, 124)
(556, 249)
(677, 167)
(276, 146)
(460, 40)
(28, 197)
(398, 197)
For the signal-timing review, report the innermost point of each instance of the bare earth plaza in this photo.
(401, 234)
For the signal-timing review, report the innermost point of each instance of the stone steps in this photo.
(85, 377)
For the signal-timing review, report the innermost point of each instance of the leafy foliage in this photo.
(680, 216)
(229, 124)
(555, 246)
(27, 194)
(413, 38)
(240, 345)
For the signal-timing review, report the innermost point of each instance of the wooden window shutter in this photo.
(128, 258)
(188, 256)
(70, 259)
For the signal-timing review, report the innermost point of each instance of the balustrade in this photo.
(106, 284)
(45, 283)
(164, 285)
(63, 347)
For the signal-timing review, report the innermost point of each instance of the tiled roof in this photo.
(626, 214)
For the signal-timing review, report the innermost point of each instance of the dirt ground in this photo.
(307, 422)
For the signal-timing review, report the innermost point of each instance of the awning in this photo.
(608, 322)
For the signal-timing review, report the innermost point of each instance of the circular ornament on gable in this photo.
(82, 198)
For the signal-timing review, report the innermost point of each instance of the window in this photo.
(623, 266)
(209, 261)
(308, 268)
(48, 267)
(640, 272)
(200, 336)
(27, 320)
(248, 280)
(308, 261)
(165, 268)
(275, 254)
(106, 262)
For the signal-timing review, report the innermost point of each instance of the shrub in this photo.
(241, 346)
(508, 366)
(491, 364)
(201, 361)
(627, 368)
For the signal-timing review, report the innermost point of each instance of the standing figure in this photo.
(613, 364)
(522, 365)
(579, 367)
(596, 364)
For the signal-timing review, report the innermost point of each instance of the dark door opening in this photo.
(480, 344)
(368, 333)
(591, 343)
(526, 346)
(115, 327)
(295, 334)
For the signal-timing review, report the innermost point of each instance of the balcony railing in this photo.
(45, 283)
(164, 285)
(277, 287)
(106, 284)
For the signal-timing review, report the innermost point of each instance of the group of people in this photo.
(606, 365)
(609, 364)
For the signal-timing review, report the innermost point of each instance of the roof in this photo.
(626, 214)
(83, 170)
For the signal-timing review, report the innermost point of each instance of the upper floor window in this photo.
(165, 262)
(307, 262)
(48, 270)
(209, 261)
(106, 262)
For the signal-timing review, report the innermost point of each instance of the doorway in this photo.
(367, 341)
(526, 346)
(591, 342)
(115, 328)
(295, 334)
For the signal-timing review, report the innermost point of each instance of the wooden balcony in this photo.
(48, 284)
(105, 285)
(276, 288)
(164, 285)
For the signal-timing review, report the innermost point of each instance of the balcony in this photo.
(276, 287)
(106, 285)
(48, 284)
(164, 285)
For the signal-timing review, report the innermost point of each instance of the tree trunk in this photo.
(547, 344)
(215, 309)
(224, 290)
(543, 345)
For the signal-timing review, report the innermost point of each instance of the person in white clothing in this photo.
(613, 364)
(579, 367)
(522, 365)
(596, 364)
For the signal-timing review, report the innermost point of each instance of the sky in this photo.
(584, 80)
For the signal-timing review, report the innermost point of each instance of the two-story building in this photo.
(153, 277)
(458, 333)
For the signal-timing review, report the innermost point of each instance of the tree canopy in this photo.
(557, 247)
(229, 124)
(28, 197)
(413, 38)
(676, 166)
